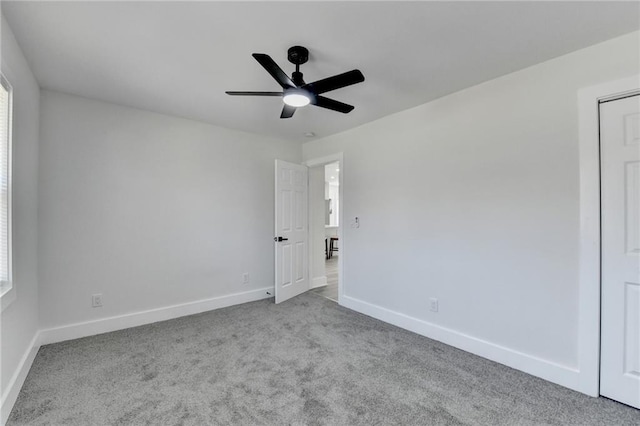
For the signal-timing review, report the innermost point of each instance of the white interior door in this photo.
(620, 185)
(291, 239)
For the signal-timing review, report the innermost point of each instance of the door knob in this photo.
(278, 239)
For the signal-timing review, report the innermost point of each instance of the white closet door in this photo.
(620, 185)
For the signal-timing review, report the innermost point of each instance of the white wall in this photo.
(480, 210)
(149, 210)
(19, 321)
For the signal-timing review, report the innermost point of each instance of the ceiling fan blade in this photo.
(336, 82)
(332, 104)
(232, 93)
(273, 69)
(287, 111)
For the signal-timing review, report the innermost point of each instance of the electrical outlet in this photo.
(433, 304)
(245, 278)
(96, 300)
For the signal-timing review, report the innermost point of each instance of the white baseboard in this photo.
(318, 282)
(17, 380)
(548, 370)
(105, 325)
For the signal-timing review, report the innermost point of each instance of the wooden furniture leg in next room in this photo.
(326, 247)
(333, 246)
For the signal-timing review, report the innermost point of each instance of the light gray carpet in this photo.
(307, 361)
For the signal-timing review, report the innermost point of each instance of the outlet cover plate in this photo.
(96, 300)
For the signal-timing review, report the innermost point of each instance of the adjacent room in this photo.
(324, 266)
(322, 212)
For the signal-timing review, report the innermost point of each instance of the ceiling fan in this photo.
(296, 93)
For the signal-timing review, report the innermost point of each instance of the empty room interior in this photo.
(320, 212)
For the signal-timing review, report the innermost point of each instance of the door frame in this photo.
(589, 280)
(321, 161)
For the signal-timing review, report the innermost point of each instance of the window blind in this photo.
(5, 181)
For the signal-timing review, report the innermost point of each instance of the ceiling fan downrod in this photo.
(297, 55)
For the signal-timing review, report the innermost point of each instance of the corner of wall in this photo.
(20, 321)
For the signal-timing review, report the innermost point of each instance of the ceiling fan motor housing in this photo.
(298, 55)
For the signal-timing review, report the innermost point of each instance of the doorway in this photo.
(331, 222)
(302, 245)
(326, 226)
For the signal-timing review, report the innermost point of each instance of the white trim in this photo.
(589, 257)
(7, 295)
(105, 325)
(556, 373)
(321, 161)
(17, 380)
(318, 282)
(339, 157)
(7, 291)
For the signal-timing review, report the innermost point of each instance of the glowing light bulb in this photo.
(296, 98)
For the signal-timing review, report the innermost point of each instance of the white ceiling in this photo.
(179, 57)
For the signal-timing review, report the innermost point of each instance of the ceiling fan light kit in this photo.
(295, 92)
(296, 98)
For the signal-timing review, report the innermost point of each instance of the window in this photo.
(5, 186)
